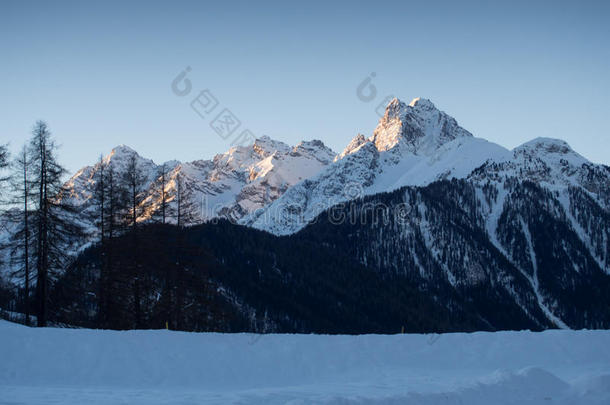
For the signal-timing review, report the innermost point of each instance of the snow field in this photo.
(77, 366)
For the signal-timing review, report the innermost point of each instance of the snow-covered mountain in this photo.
(530, 226)
(416, 144)
(552, 164)
(232, 184)
(573, 190)
(413, 144)
(277, 188)
(79, 188)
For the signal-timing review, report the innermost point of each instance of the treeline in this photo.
(228, 278)
(40, 224)
(46, 226)
(140, 281)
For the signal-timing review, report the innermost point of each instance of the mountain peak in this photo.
(552, 145)
(418, 127)
(122, 149)
(394, 109)
(422, 102)
(120, 153)
(355, 144)
(314, 144)
(315, 149)
(552, 151)
(395, 104)
(265, 146)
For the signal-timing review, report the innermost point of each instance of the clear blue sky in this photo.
(100, 74)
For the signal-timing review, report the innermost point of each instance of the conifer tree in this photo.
(113, 211)
(162, 193)
(133, 186)
(20, 237)
(183, 209)
(54, 228)
(4, 164)
(98, 216)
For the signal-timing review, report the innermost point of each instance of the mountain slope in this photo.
(495, 245)
(580, 190)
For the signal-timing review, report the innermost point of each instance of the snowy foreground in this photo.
(68, 366)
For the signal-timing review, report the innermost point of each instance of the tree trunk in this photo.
(26, 237)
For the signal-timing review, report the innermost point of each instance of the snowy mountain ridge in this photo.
(278, 188)
(416, 144)
(232, 184)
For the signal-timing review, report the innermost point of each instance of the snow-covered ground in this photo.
(76, 366)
